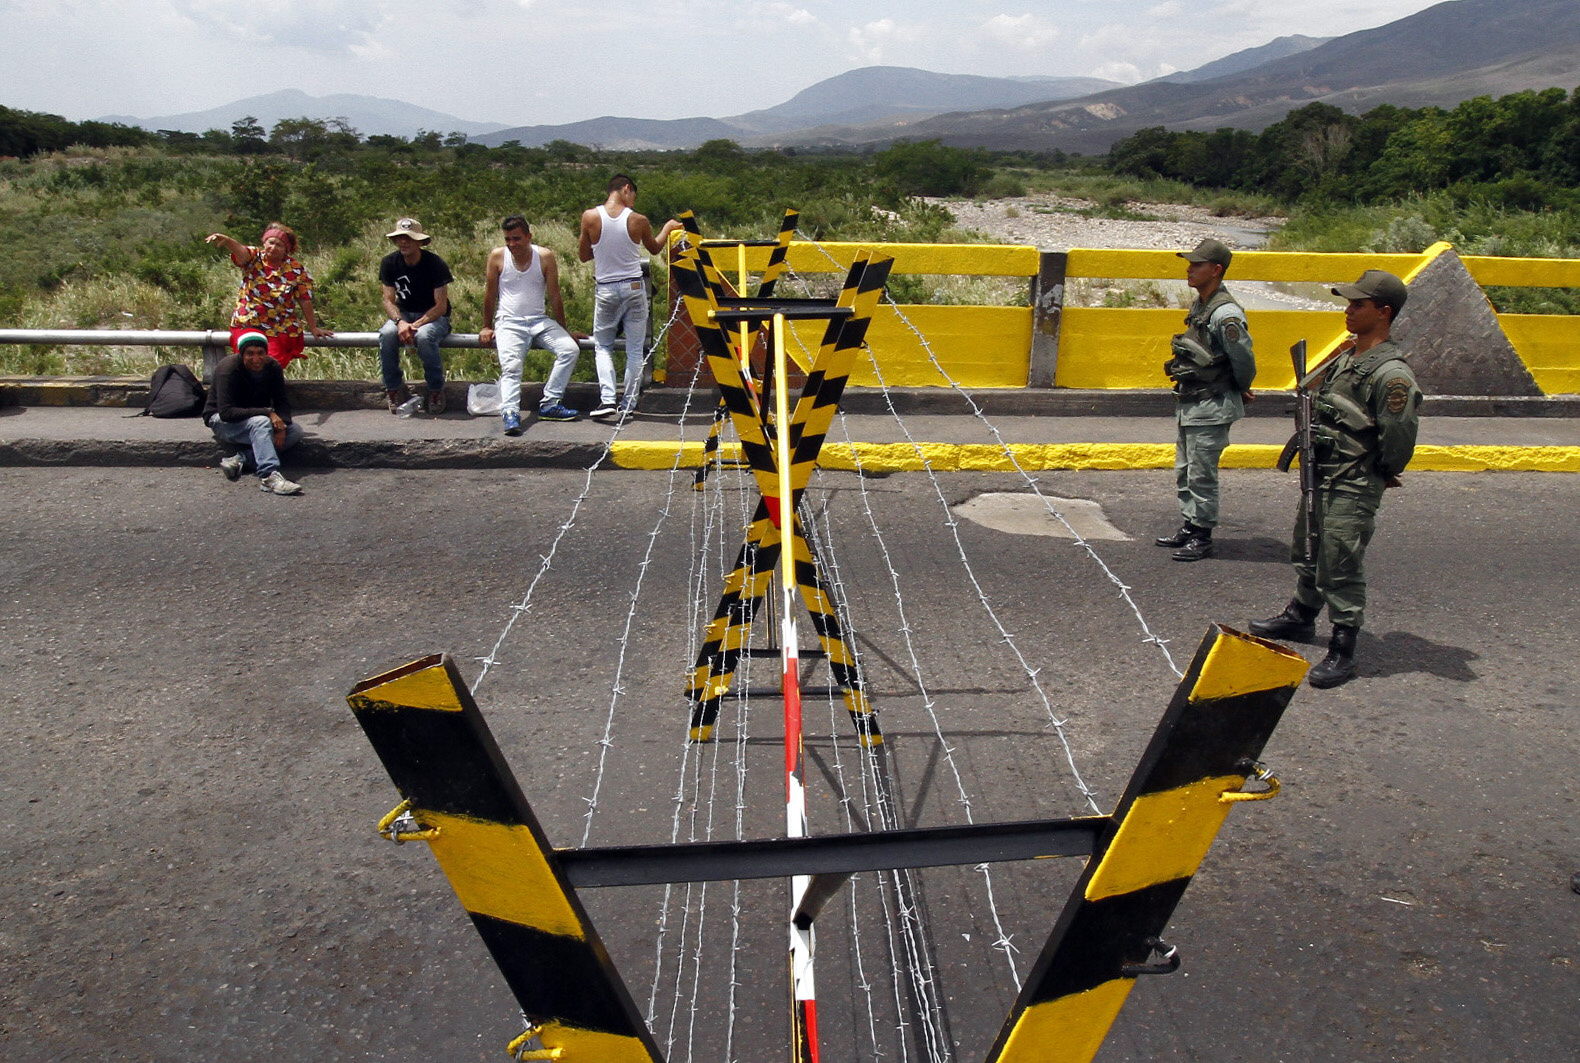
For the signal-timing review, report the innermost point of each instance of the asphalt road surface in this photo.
(191, 870)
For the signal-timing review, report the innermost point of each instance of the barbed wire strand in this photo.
(524, 606)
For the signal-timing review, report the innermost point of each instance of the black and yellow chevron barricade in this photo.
(727, 633)
(1194, 771)
(460, 797)
(778, 260)
(520, 893)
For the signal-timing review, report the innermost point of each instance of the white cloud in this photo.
(1127, 73)
(1167, 9)
(795, 16)
(876, 41)
(311, 25)
(1028, 32)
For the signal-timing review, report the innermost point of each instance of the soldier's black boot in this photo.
(1298, 622)
(1198, 546)
(1179, 538)
(1339, 665)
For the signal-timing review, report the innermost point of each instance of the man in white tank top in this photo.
(523, 308)
(616, 240)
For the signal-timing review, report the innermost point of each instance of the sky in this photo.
(547, 62)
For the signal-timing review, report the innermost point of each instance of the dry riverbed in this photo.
(1058, 223)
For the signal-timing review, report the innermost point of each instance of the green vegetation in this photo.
(112, 237)
(103, 225)
(1491, 176)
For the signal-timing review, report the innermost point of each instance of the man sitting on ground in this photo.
(247, 406)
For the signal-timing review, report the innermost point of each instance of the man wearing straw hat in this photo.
(417, 302)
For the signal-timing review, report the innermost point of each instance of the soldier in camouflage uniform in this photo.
(1365, 422)
(1212, 367)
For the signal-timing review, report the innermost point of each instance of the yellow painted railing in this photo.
(968, 260)
(1120, 348)
(1126, 348)
(976, 346)
(1549, 344)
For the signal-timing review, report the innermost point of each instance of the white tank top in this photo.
(520, 290)
(616, 257)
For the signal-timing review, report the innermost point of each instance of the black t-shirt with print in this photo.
(414, 285)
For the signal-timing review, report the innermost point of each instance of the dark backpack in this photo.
(173, 391)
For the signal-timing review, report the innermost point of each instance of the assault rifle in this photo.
(1303, 445)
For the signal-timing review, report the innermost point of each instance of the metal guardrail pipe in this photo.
(210, 338)
(215, 343)
(114, 337)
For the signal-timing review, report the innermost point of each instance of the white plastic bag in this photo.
(482, 399)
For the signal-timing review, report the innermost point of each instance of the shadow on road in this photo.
(1400, 652)
(1260, 549)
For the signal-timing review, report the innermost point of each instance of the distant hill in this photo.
(1439, 56)
(618, 134)
(875, 93)
(1248, 59)
(871, 94)
(368, 115)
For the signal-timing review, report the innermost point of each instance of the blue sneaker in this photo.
(555, 412)
(512, 421)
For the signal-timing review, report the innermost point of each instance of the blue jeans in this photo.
(514, 337)
(255, 438)
(427, 343)
(613, 305)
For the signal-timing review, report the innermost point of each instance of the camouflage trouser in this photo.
(1345, 523)
(1196, 452)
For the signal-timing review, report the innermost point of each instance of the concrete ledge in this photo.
(311, 453)
(311, 395)
(499, 453)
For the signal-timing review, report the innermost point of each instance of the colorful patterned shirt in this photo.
(269, 295)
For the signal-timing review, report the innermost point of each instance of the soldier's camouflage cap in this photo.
(1376, 284)
(1209, 250)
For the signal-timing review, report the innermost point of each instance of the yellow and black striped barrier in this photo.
(459, 797)
(728, 631)
(1195, 770)
(778, 259)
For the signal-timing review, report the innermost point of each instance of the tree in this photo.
(718, 154)
(1144, 153)
(311, 138)
(929, 168)
(247, 136)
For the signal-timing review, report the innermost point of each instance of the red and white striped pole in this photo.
(803, 994)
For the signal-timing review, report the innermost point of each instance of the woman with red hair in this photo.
(274, 285)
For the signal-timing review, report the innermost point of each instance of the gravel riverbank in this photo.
(1058, 223)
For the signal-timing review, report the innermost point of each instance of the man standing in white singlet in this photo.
(613, 238)
(524, 308)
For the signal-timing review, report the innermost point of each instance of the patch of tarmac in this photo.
(192, 870)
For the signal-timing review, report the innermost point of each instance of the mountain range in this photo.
(368, 115)
(1437, 57)
(872, 96)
